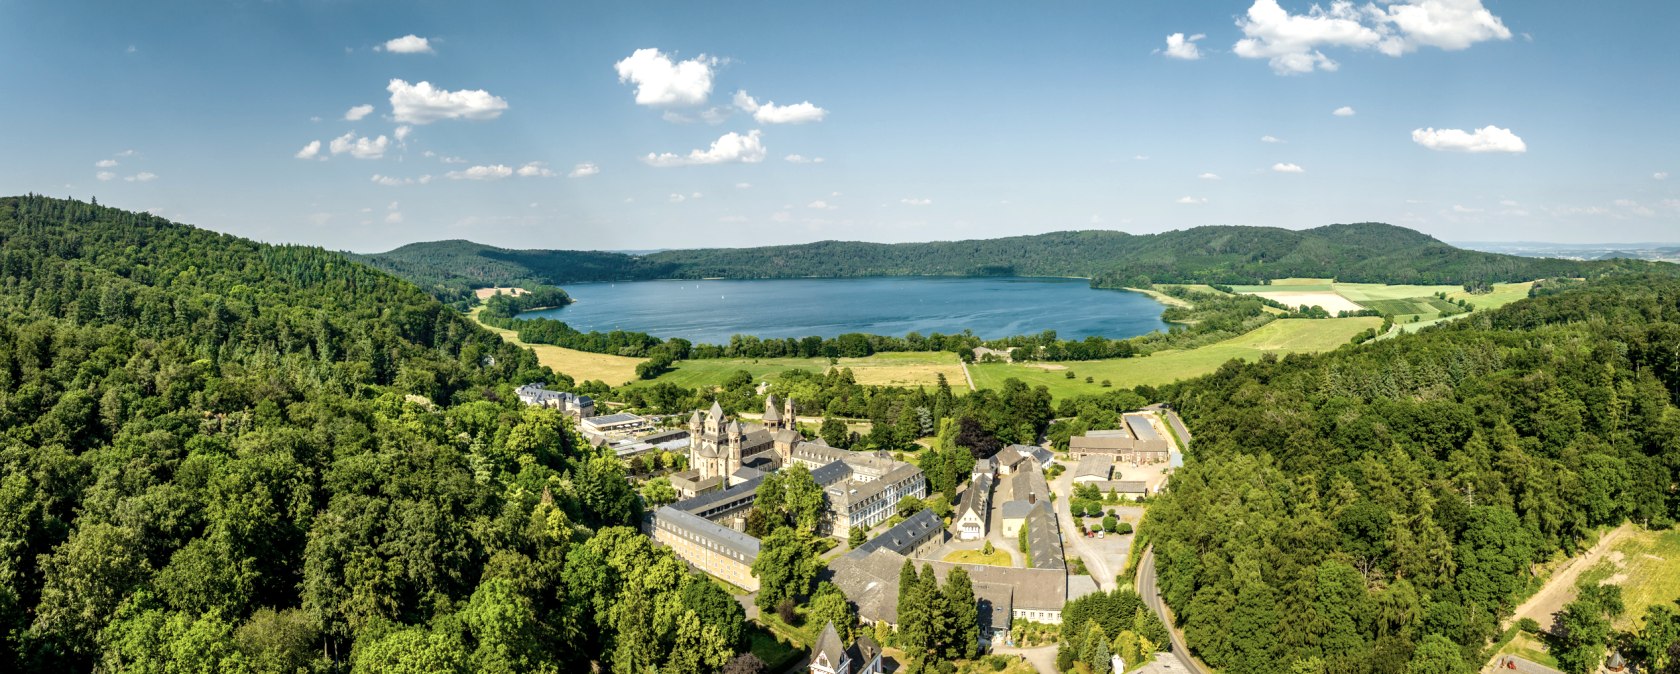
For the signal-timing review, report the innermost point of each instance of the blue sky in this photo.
(618, 125)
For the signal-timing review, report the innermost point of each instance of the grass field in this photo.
(1647, 566)
(997, 558)
(1281, 337)
(916, 368)
(580, 365)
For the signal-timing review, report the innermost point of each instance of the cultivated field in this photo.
(916, 368)
(1281, 337)
(1329, 301)
(579, 365)
(485, 293)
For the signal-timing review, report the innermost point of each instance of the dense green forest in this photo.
(1354, 511)
(1366, 252)
(220, 455)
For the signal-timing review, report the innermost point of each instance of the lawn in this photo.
(915, 368)
(1282, 336)
(1647, 566)
(580, 365)
(1503, 294)
(773, 650)
(997, 558)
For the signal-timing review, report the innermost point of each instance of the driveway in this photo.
(1042, 658)
(1104, 558)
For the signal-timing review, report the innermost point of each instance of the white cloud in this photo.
(714, 116)
(1446, 24)
(770, 113)
(1282, 167)
(402, 132)
(1465, 209)
(1292, 43)
(1660, 175)
(802, 159)
(583, 170)
(821, 205)
(360, 148)
(407, 44)
(105, 175)
(393, 218)
(1192, 200)
(356, 113)
(1209, 176)
(730, 148)
(1181, 47)
(677, 198)
(423, 103)
(1343, 111)
(390, 181)
(308, 152)
(1270, 139)
(1486, 139)
(781, 216)
(126, 153)
(142, 177)
(1508, 203)
(663, 82)
(534, 169)
(105, 163)
(1140, 157)
(911, 201)
(491, 172)
(743, 186)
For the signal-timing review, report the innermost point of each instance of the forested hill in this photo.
(220, 455)
(1368, 252)
(1394, 497)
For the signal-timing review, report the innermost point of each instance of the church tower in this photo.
(789, 421)
(732, 456)
(772, 416)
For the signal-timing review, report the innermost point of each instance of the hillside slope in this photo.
(1365, 252)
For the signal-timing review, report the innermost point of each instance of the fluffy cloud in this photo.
(743, 186)
(770, 113)
(423, 103)
(662, 82)
(1209, 176)
(105, 175)
(583, 170)
(821, 205)
(407, 44)
(105, 163)
(1343, 111)
(802, 159)
(1292, 43)
(909, 201)
(1192, 200)
(534, 169)
(360, 148)
(1486, 139)
(730, 148)
(309, 151)
(1660, 175)
(677, 198)
(492, 172)
(1270, 139)
(1181, 47)
(402, 132)
(1282, 167)
(142, 177)
(356, 114)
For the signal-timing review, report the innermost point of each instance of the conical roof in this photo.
(770, 411)
(717, 410)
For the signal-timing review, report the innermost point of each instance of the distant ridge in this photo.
(1361, 252)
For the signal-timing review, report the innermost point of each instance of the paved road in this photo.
(1095, 561)
(1152, 596)
(1042, 658)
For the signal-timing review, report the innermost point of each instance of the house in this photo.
(622, 422)
(1009, 458)
(709, 546)
(1004, 594)
(1044, 538)
(535, 395)
(974, 510)
(1043, 456)
(918, 535)
(1093, 468)
(830, 656)
(1014, 516)
(1129, 490)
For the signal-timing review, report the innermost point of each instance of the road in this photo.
(1095, 561)
(1560, 588)
(1152, 596)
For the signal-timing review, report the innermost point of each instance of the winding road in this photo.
(1152, 597)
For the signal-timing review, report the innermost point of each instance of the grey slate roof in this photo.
(828, 645)
(1014, 510)
(705, 501)
(905, 536)
(871, 582)
(1044, 538)
(977, 497)
(1094, 465)
(724, 537)
(619, 418)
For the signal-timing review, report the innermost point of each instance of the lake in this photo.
(992, 307)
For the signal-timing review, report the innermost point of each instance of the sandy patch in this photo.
(1046, 366)
(1617, 579)
(483, 293)
(1617, 557)
(1331, 302)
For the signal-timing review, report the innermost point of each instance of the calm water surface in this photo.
(712, 311)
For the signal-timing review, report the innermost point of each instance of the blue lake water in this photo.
(993, 307)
